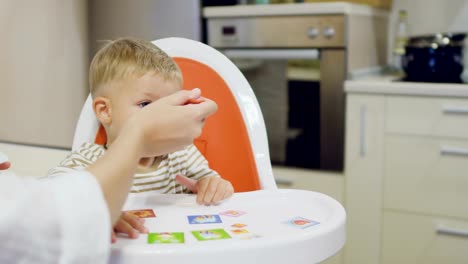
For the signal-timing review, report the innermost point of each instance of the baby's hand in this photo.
(129, 224)
(209, 189)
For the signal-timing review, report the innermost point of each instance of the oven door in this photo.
(286, 83)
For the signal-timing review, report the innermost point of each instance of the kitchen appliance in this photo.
(435, 58)
(303, 108)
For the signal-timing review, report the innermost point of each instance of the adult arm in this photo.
(164, 126)
(68, 219)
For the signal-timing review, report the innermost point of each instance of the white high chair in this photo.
(235, 144)
(234, 140)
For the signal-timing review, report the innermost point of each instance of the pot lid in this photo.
(437, 40)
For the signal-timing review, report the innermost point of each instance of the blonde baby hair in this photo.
(128, 57)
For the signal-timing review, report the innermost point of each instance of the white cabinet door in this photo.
(329, 183)
(428, 175)
(446, 117)
(411, 238)
(363, 177)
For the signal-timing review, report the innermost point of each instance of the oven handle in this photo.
(272, 54)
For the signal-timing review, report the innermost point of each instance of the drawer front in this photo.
(410, 239)
(427, 116)
(331, 184)
(427, 175)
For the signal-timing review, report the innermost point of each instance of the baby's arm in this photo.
(78, 159)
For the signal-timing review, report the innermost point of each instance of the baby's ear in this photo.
(103, 109)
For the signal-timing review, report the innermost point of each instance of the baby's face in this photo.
(132, 94)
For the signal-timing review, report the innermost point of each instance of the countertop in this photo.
(389, 85)
(292, 9)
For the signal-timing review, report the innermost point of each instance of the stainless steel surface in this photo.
(274, 54)
(278, 31)
(332, 108)
(329, 32)
(292, 37)
(313, 32)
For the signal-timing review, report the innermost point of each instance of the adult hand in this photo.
(169, 124)
(163, 126)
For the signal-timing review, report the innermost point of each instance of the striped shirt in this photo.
(188, 162)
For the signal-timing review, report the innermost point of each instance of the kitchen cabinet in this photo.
(363, 176)
(405, 174)
(418, 238)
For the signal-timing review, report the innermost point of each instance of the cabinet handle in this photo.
(454, 110)
(283, 182)
(453, 151)
(362, 134)
(450, 231)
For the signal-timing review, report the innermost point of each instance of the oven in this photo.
(296, 65)
(297, 74)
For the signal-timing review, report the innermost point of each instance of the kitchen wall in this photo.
(43, 69)
(429, 16)
(45, 53)
(147, 19)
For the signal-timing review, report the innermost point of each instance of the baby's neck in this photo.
(146, 162)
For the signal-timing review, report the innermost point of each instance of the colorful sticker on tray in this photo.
(239, 231)
(210, 234)
(204, 219)
(238, 225)
(301, 222)
(166, 238)
(143, 213)
(233, 213)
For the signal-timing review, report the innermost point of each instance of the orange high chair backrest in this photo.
(234, 139)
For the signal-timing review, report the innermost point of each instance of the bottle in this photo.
(400, 40)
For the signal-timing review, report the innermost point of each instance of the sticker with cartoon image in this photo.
(211, 234)
(233, 213)
(166, 238)
(301, 222)
(204, 219)
(239, 231)
(238, 225)
(143, 213)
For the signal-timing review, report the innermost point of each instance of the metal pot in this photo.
(434, 58)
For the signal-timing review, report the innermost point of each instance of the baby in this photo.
(125, 76)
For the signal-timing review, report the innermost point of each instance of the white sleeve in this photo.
(60, 220)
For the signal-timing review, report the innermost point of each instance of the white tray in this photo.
(266, 214)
